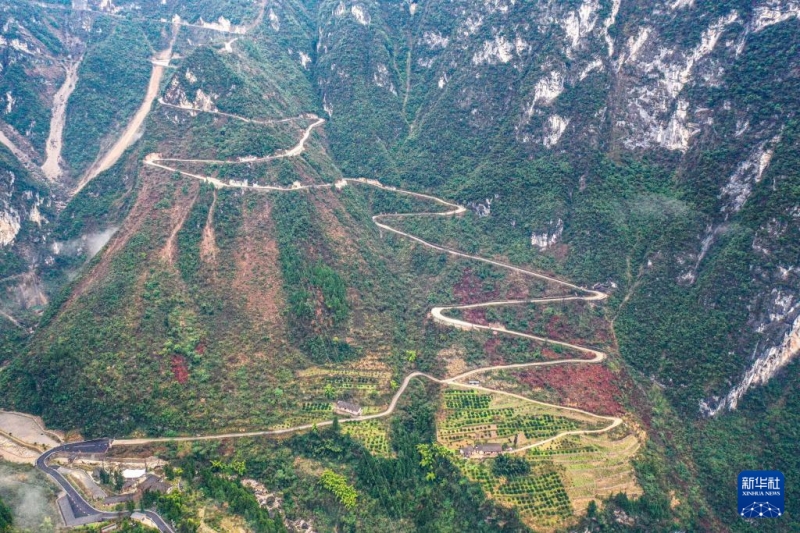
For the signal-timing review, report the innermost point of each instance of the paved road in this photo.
(80, 507)
(159, 522)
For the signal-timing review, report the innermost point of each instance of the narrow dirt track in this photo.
(129, 135)
(437, 313)
(296, 150)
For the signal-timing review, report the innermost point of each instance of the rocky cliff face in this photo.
(679, 83)
(703, 91)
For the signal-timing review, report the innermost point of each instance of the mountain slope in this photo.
(648, 149)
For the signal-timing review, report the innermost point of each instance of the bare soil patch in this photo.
(27, 429)
(52, 165)
(258, 277)
(142, 209)
(208, 243)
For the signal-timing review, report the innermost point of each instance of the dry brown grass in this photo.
(142, 209)
(258, 277)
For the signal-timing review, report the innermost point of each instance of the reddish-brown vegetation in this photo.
(179, 369)
(558, 327)
(490, 348)
(591, 387)
(476, 316)
(469, 289)
(257, 276)
(551, 355)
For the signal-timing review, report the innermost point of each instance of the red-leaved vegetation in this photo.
(591, 387)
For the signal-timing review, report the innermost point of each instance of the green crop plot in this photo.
(304, 417)
(466, 399)
(316, 407)
(364, 385)
(371, 434)
(540, 497)
(469, 416)
(570, 445)
(565, 473)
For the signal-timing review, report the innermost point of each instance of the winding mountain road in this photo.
(437, 313)
(83, 509)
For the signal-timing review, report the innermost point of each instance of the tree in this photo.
(6, 519)
(430, 455)
(510, 466)
(337, 484)
(329, 391)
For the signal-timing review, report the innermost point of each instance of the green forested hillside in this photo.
(648, 151)
(118, 65)
(6, 520)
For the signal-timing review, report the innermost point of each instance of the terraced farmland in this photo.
(372, 434)
(366, 383)
(470, 417)
(565, 473)
(593, 466)
(540, 497)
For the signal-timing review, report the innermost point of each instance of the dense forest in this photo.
(6, 520)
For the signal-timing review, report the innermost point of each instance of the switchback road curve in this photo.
(437, 313)
(82, 509)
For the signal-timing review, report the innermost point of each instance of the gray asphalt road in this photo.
(80, 507)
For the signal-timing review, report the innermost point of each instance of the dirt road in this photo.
(129, 135)
(296, 150)
(437, 313)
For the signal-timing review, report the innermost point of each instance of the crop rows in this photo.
(371, 434)
(565, 446)
(351, 382)
(482, 422)
(540, 498)
(325, 372)
(307, 417)
(317, 407)
(466, 399)
(318, 383)
(539, 426)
